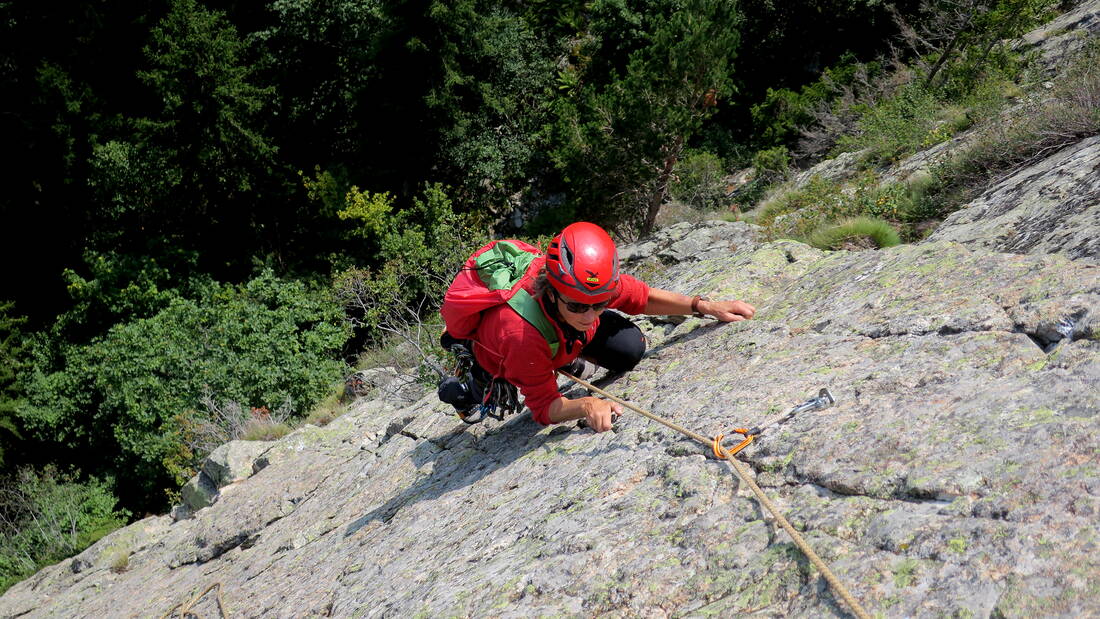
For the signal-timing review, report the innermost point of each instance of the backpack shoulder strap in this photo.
(528, 308)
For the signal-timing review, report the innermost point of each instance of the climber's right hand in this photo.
(601, 414)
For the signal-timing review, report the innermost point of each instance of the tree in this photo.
(965, 32)
(47, 515)
(641, 80)
(490, 98)
(112, 402)
(12, 363)
(200, 171)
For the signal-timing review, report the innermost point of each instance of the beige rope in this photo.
(743, 473)
(185, 608)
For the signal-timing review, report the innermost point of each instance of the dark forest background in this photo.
(211, 208)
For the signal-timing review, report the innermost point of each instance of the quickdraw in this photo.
(823, 400)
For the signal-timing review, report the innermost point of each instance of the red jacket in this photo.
(509, 347)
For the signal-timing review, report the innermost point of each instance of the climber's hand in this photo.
(727, 311)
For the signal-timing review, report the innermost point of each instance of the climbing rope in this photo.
(739, 467)
(185, 608)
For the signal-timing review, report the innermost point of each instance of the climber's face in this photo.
(580, 316)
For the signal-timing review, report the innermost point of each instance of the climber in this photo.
(538, 313)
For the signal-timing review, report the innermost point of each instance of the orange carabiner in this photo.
(724, 454)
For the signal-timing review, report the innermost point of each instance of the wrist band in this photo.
(695, 305)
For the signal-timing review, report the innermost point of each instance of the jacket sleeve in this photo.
(633, 295)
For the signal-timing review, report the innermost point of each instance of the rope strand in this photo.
(743, 473)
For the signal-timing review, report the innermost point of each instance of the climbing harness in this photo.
(473, 392)
(823, 400)
(185, 608)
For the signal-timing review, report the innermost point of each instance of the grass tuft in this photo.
(261, 430)
(120, 561)
(856, 234)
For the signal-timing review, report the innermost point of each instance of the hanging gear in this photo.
(472, 391)
(823, 400)
(583, 264)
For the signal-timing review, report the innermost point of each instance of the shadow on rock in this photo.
(683, 338)
(498, 448)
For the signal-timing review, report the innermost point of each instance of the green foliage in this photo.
(962, 42)
(799, 214)
(771, 164)
(960, 68)
(898, 126)
(370, 212)
(905, 572)
(48, 515)
(188, 173)
(1068, 113)
(422, 247)
(648, 76)
(397, 303)
(266, 432)
(957, 545)
(324, 57)
(117, 287)
(263, 343)
(12, 362)
(200, 74)
(496, 73)
(856, 233)
(780, 118)
(698, 181)
(819, 199)
(325, 190)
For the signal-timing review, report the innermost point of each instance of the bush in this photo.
(47, 515)
(1067, 114)
(772, 164)
(266, 343)
(819, 199)
(217, 423)
(898, 126)
(12, 362)
(783, 116)
(698, 181)
(855, 234)
(399, 302)
(798, 214)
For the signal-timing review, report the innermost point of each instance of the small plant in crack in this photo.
(905, 573)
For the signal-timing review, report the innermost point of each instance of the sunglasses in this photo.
(581, 308)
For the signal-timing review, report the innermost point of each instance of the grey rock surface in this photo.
(233, 461)
(1064, 35)
(688, 243)
(836, 169)
(1052, 206)
(958, 475)
(227, 464)
(196, 494)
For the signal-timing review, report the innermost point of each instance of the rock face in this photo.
(1065, 34)
(958, 475)
(1050, 207)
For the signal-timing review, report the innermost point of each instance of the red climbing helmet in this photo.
(583, 264)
